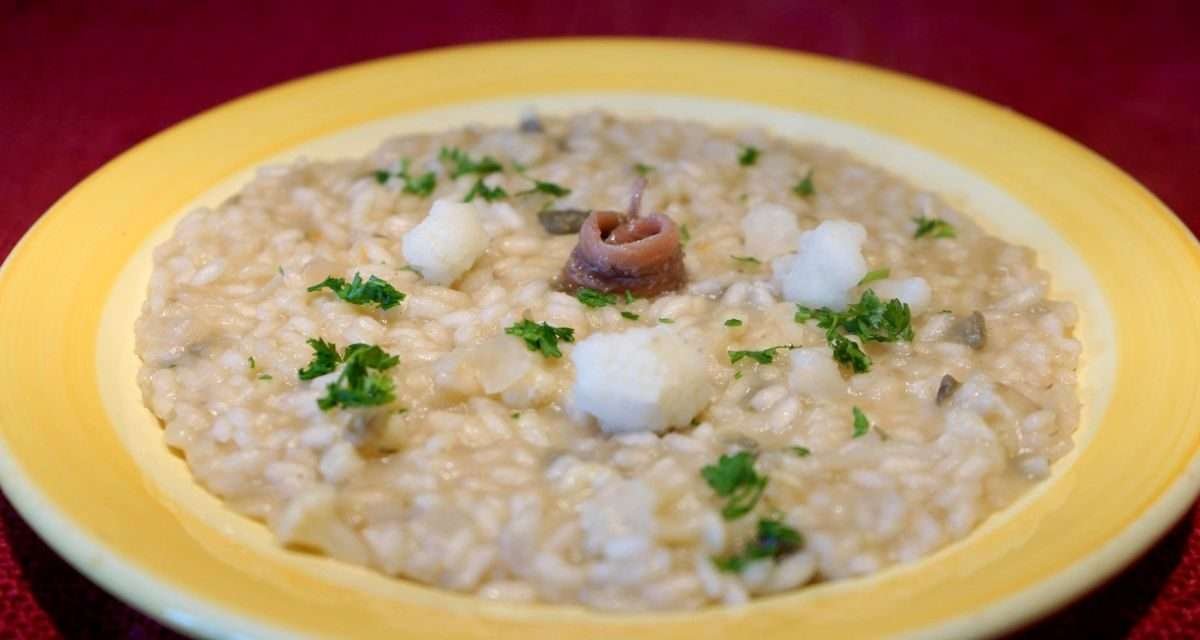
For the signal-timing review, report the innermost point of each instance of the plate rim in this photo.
(59, 530)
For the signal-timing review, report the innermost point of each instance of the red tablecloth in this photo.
(82, 81)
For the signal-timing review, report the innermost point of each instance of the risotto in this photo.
(623, 364)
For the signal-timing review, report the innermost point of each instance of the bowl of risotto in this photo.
(691, 350)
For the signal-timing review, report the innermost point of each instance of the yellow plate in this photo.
(85, 464)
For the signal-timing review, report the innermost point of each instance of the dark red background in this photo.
(81, 82)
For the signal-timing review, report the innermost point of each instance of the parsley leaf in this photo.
(803, 452)
(773, 539)
(628, 297)
(374, 290)
(642, 169)
(462, 164)
(487, 193)
(733, 322)
(421, 186)
(747, 260)
(325, 359)
(766, 356)
(548, 188)
(252, 363)
(861, 424)
(629, 315)
(265, 376)
(541, 337)
(870, 319)
(933, 227)
(847, 352)
(734, 477)
(358, 385)
(595, 299)
(805, 187)
(666, 321)
(685, 236)
(748, 156)
(872, 276)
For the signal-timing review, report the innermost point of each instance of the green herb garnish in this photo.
(872, 276)
(642, 169)
(461, 164)
(422, 185)
(805, 187)
(685, 236)
(803, 452)
(738, 375)
(548, 188)
(772, 540)
(748, 156)
(374, 290)
(487, 193)
(765, 356)
(666, 321)
(629, 315)
(325, 359)
(733, 322)
(861, 424)
(747, 260)
(265, 376)
(252, 363)
(933, 227)
(362, 382)
(595, 299)
(734, 477)
(628, 297)
(869, 319)
(541, 337)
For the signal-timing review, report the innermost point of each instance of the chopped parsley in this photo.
(374, 290)
(252, 363)
(487, 193)
(421, 186)
(738, 375)
(772, 540)
(265, 376)
(748, 156)
(642, 169)
(666, 321)
(747, 260)
(933, 227)
(861, 424)
(548, 188)
(734, 477)
(325, 359)
(803, 452)
(595, 299)
(805, 187)
(629, 315)
(515, 415)
(685, 236)
(870, 319)
(628, 297)
(765, 356)
(461, 164)
(733, 322)
(541, 337)
(361, 383)
(872, 276)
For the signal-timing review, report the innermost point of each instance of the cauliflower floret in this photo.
(639, 380)
(914, 292)
(447, 242)
(828, 263)
(815, 374)
(769, 230)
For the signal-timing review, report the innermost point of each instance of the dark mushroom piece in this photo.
(946, 388)
(971, 331)
(619, 253)
(561, 222)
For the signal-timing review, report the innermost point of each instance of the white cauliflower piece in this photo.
(914, 292)
(828, 263)
(769, 230)
(447, 242)
(814, 373)
(639, 380)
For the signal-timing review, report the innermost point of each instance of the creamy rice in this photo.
(517, 494)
